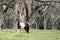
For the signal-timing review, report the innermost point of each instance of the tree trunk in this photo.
(45, 22)
(53, 24)
(36, 26)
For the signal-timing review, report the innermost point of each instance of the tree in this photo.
(32, 11)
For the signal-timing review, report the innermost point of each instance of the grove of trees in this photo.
(39, 14)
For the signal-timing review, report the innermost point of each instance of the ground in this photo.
(34, 34)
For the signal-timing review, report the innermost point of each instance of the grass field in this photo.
(34, 34)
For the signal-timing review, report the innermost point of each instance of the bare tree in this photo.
(30, 11)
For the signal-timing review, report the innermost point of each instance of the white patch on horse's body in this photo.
(22, 24)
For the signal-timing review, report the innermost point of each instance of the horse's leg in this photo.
(27, 28)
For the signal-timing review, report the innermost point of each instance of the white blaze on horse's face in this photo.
(22, 24)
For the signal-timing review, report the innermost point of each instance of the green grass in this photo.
(34, 34)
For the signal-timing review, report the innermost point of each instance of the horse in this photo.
(22, 25)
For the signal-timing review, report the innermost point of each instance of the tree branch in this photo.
(26, 11)
(47, 1)
(36, 10)
(42, 9)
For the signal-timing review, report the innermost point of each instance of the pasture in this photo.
(34, 34)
